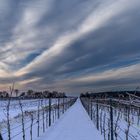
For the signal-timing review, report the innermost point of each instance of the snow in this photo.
(75, 124)
(15, 122)
(122, 124)
(28, 105)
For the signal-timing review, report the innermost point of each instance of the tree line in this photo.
(32, 94)
(111, 94)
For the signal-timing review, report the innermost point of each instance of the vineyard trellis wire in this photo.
(116, 119)
(47, 113)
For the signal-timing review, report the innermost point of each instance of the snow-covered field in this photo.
(74, 125)
(28, 106)
(117, 118)
(15, 108)
(121, 122)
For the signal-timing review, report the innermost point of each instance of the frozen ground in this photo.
(74, 125)
(28, 105)
(15, 122)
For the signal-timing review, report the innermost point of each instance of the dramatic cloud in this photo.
(73, 46)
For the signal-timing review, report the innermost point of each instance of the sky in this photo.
(70, 45)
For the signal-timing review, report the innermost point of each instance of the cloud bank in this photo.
(73, 46)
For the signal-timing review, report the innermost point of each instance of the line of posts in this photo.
(64, 104)
(88, 105)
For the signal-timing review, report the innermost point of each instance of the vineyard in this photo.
(110, 118)
(29, 119)
(115, 118)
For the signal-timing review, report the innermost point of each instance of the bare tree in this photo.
(138, 113)
(128, 118)
(8, 114)
(43, 123)
(104, 129)
(22, 115)
(16, 92)
(109, 129)
(118, 113)
(128, 124)
(101, 121)
(31, 126)
(38, 118)
(1, 137)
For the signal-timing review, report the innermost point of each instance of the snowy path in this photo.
(74, 125)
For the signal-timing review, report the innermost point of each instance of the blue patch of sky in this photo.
(26, 61)
(99, 69)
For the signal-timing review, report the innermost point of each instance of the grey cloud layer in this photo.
(56, 44)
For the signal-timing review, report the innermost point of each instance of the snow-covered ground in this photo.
(75, 124)
(120, 123)
(28, 106)
(15, 109)
(122, 126)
